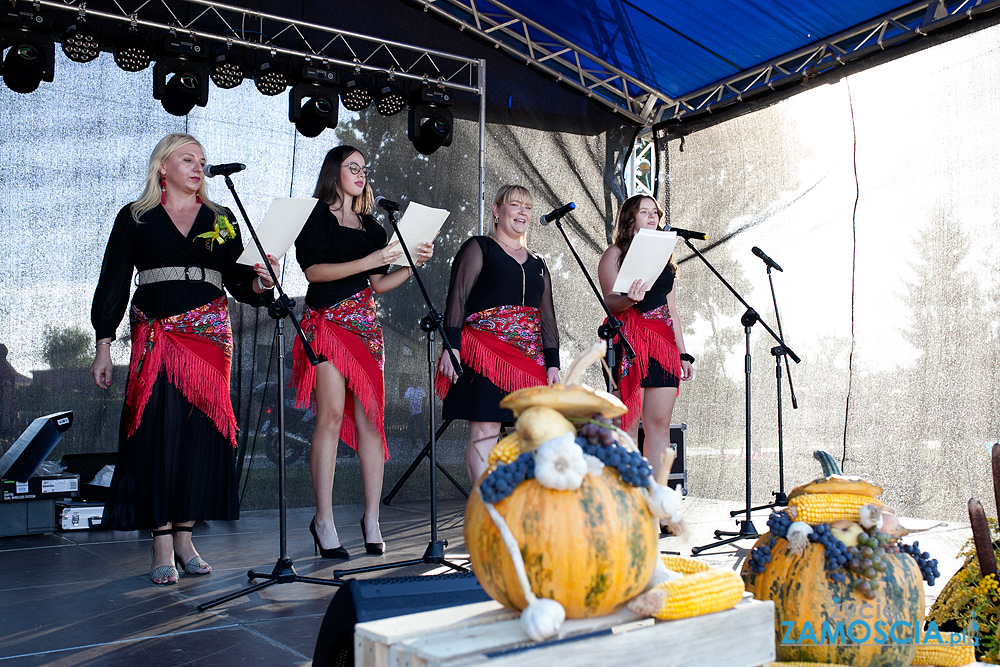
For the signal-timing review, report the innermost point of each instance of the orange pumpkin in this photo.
(804, 595)
(591, 549)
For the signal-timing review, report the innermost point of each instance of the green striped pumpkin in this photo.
(803, 593)
(591, 549)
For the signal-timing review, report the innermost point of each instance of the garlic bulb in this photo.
(870, 516)
(542, 619)
(595, 466)
(664, 502)
(798, 537)
(559, 464)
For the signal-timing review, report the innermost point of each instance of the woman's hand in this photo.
(552, 373)
(687, 370)
(637, 290)
(101, 368)
(265, 275)
(445, 367)
(424, 252)
(385, 256)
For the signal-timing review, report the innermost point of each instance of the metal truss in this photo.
(217, 22)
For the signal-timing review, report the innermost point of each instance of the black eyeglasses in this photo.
(357, 168)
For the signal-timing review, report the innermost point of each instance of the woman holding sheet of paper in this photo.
(345, 256)
(501, 323)
(650, 383)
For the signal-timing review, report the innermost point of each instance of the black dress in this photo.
(177, 467)
(484, 276)
(656, 296)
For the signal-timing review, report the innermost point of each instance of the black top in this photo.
(483, 276)
(656, 295)
(324, 241)
(156, 242)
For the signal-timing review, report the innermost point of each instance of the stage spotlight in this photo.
(28, 61)
(81, 41)
(133, 51)
(272, 75)
(430, 123)
(187, 86)
(227, 68)
(317, 86)
(356, 93)
(389, 98)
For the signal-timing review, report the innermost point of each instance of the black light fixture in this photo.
(81, 41)
(356, 93)
(133, 50)
(430, 124)
(272, 75)
(389, 98)
(227, 68)
(31, 56)
(312, 104)
(180, 81)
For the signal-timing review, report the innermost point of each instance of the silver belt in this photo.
(191, 274)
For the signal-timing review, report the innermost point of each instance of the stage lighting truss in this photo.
(430, 123)
(356, 93)
(133, 51)
(227, 68)
(389, 98)
(81, 40)
(312, 104)
(180, 81)
(272, 75)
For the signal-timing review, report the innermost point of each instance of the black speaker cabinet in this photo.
(678, 441)
(369, 600)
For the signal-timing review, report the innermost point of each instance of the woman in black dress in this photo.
(501, 323)
(649, 384)
(344, 254)
(176, 457)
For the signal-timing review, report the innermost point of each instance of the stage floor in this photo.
(81, 598)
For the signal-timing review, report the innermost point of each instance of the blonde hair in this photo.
(151, 194)
(505, 195)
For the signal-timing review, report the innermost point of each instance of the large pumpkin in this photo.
(591, 549)
(803, 594)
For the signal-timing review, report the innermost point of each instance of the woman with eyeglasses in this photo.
(501, 323)
(345, 256)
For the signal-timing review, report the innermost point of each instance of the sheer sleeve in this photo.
(550, 331)
(464, 273)
(115, 282)
(239, 278)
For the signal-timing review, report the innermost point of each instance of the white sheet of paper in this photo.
(646, 257)
(419, 224)
(279, 228)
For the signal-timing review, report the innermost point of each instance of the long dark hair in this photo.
(329, 188)
(625, 227)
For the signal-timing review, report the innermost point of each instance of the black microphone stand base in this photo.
(434, 555)
(746, 532)
(283, 573)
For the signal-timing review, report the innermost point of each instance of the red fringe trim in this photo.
(500, 362)
(350, 355)
(196, 366)
(651, 339)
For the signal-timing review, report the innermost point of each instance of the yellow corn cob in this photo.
(806, 664)
(505, 451)
(943, 655)
(816, 508)
(683, 564)
(691, 595)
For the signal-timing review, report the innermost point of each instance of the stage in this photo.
(81, 598)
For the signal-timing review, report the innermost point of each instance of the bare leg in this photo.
(184, 547)
(372, 458)
(163, 553)
(330, 394)
(482, 437)
(657, 409)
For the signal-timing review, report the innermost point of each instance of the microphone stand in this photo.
(749, 318)
(284, 570)
(434, 554)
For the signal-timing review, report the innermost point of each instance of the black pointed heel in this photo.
(374, 548)
(337, 553)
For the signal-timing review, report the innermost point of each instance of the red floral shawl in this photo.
(651, 335)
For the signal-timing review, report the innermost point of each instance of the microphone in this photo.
(767, 260)
(386, 204)
(223, 169)
(557, 213)
(687, 233)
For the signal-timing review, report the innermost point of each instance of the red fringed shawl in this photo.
(504, 344)
(651, 335)
(348, 335)
(195, 349)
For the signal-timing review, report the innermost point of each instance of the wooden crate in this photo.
(486, 633)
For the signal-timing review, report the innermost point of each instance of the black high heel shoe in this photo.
(338, 553)
(374, 548)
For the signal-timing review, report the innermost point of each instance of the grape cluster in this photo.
(501, 482)
(760, 556)
(928, 566)
(778, 522)
(867, 561)
(631, 467)
(835, 551)
(596, 431)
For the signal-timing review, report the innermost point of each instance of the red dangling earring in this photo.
(197, 199)
(163, 190)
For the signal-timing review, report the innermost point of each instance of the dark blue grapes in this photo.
(631, 466)
(760, 556)
(501, 482)
(928, 566)
(778, 522)
(835, 550)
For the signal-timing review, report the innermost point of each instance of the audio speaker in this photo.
(369, 600)
(678, 441)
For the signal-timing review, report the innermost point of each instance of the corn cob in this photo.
(691, 595)
(814, 508)
(683, 564)
(943, 655)
(505, 451)
(806, 664)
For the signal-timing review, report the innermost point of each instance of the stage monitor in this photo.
(35, 444)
